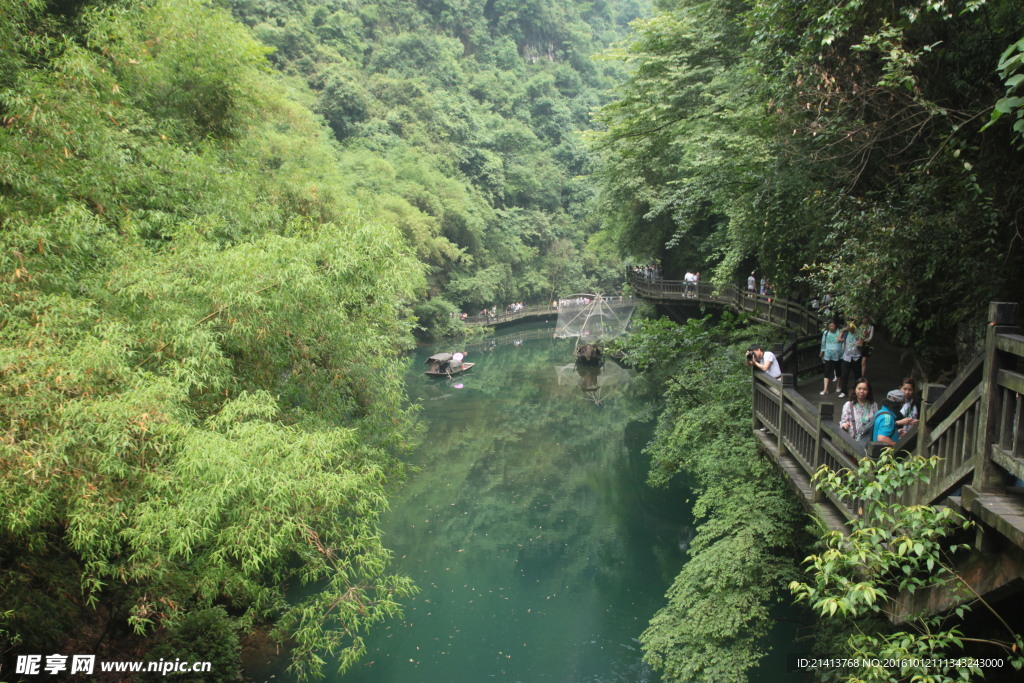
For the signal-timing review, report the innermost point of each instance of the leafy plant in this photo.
(892, 549)
(717, 610)
(1011, 68)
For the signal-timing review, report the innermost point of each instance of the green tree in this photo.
(201, 405)
(834, 147)
(891, 549)
(717, 612)
(452, 111)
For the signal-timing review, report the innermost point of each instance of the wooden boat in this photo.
(442, 365)
(589, 354)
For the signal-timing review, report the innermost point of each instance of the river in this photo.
(539, 551)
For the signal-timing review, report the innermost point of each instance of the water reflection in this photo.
(594, 383)
(539, 551)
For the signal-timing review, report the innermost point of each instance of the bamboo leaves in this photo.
(200, 399)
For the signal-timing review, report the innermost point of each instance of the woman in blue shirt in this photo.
(831, 353)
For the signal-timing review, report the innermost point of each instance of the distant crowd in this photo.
(492, 312)
(651, 272)
(766, 288)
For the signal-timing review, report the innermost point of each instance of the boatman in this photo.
(457, 359)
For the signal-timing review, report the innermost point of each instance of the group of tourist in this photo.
(492, 312)
(844, 353)
(864, 420)
(763, 287)
(651, 272)
(691, 282)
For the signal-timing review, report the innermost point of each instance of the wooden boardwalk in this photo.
(975, 425)
(525, 313)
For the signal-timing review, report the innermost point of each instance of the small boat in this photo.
(442, 365)
(589, 354)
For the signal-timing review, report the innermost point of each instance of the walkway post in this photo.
(788, 383)
(826, 413)
(930, 393)
(754, 379)
(1002, 319)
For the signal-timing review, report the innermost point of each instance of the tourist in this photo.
(765, 361)
(909, 410)
(850, 361)
(752, 283)
(859, 412)
(831, 353)
(867, 333)
(884, 429)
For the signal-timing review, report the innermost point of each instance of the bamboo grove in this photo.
(221, 224)
(200, 403)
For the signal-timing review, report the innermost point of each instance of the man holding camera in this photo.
(765, 361)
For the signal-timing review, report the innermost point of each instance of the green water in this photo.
(539, 551)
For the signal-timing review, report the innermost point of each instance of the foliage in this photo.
(207, 635)
(833, 147)
(680, 159)
(1010, 68)
(891, 549)
(459, 121)
(201, 402)
(718, 607)
(440, 318)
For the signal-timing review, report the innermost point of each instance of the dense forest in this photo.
(834, 147)
(224, 221)
(460, 124)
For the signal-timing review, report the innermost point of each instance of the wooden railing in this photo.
(804, 434)
(791, 315)
(480, 319)
(975, 426)
(799, 356)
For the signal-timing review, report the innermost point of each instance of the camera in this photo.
(750, 356)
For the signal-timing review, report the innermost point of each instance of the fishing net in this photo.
(593, 317)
